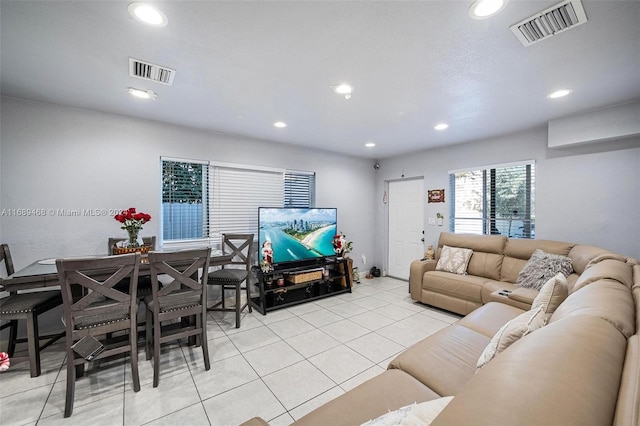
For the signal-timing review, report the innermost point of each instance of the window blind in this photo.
(299, 189)
(236, 194)
(494, 200)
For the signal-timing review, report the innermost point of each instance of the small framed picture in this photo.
(435, 195)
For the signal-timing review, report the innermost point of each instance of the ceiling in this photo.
(242, 65)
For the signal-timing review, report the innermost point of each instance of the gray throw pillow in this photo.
(541, 267)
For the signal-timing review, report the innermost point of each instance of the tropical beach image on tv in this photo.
(295, 234)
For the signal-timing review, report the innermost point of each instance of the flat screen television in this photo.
(296, 234)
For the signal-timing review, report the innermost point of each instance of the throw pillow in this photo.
(421, 414)
(551, 296)
(541, 267)
(511, 332)
(454, 259)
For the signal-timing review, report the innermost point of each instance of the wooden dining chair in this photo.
(180, 294)
(231, 276)
(26, 307)
(94, 308)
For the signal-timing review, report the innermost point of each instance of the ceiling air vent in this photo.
(552, 21)
(147, 71)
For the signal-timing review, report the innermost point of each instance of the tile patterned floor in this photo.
(279, 366)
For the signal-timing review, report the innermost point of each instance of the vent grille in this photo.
(556, 19)
(152, 72)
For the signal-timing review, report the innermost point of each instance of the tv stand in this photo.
(299, 284)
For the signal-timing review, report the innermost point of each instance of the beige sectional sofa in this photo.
(581, 368)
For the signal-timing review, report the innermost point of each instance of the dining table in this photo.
(43, 273)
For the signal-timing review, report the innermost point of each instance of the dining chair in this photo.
(26, 307)
(231, 275)
(93, 309)
(177, 293)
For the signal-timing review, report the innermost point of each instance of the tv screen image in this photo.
(296, 234)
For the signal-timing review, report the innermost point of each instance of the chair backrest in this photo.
(240, 246)
(148, 241)
(5, 255)
(182, 268)
(88, 291)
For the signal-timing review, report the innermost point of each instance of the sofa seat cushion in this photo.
(445, 360)
(580, 376)
(386, 392)
(488, 319)
(466, 287)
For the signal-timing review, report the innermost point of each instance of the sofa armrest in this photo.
(256, 421)
(416, 271)
(523, 295)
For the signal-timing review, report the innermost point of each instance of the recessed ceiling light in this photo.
(343, 89)
(280, 124)
(369, 144)
(481, 9)
(441, 126)
(558, 94)
(141, 93)
(148, 14)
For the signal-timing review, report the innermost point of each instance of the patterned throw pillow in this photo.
(541, 267)
(454, 259)
(511, 332)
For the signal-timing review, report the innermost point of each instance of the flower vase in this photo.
(133, 237)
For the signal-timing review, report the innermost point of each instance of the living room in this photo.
(64, 156)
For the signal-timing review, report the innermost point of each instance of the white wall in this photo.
(55, 157)
(587, 196)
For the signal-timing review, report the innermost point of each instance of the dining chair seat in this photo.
(26, 307)
(228, 275)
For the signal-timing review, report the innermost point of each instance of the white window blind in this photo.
(236, 194)
(494, 200)
(299, 189)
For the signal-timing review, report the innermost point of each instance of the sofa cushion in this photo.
(486, 260)
(445, 360)
(383, 393)
(466, 287)
(551, 295)
(489, 318)
(541, 267)
(511, 332)
(454, 259)
(583, 255)
(518, 251)
(606, 299)
(606, 268)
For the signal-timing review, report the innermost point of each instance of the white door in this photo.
(406, 225)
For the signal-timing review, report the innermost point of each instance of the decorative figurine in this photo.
(430, 254)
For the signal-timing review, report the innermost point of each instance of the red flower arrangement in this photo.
(132, 222)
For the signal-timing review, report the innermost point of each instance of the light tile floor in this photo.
(279, 366)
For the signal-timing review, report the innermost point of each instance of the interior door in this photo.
(406, 225)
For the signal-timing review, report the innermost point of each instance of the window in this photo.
(201, 200)
(494, 200)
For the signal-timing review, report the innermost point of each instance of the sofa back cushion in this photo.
(606, 299)
(607, 268)
(486, 259)
(628, 407)
(518, 251)
(582, 255)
